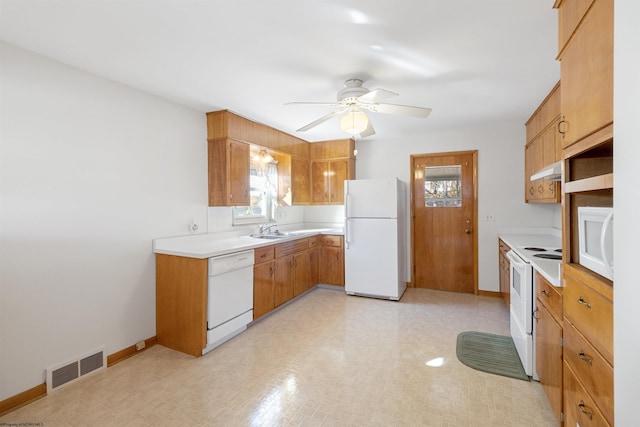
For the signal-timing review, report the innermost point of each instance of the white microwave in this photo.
(595, 235)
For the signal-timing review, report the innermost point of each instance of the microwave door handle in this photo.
(603, 234)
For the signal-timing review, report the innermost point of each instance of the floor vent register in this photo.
(69, 371)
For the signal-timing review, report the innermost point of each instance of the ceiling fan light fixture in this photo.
(354, 122)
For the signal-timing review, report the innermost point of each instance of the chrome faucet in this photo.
(266, 227)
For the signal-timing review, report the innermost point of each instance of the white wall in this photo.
(500, 181)
(627, 205)
(90, 172)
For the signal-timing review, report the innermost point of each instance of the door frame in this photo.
(474, 221)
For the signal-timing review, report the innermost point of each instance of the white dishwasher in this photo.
(230, 297)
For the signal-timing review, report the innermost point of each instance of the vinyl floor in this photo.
(325, 359)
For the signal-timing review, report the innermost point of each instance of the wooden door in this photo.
(331, 265)
(262, 289)
(300, 182)
(586, 72)
(283, 280)
(338, 172)
(300, 272)
(313, 266)
(239, 173)
(444, 221)
(532, 163)
(320, 182)
(549, 358)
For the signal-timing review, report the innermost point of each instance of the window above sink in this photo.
(263, 191)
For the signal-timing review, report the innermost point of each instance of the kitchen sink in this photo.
(275, 235)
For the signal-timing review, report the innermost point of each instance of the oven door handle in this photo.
(515, 259)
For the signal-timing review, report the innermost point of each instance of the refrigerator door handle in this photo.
(347, 234)
(347, 200)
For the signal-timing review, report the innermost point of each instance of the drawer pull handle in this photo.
(582, 356)
(585, 409)
(546, 293)
(583, 302)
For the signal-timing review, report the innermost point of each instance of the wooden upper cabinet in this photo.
(300, 182)
(228, 173)
(331, 163)
(586, 69)
(227, 124)
(542, 149)
(327, 177)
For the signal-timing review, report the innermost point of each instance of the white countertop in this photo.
(215, 244)
(550, 239)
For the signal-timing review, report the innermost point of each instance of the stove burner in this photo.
(549, 256)
(533, 248)
(559, 250)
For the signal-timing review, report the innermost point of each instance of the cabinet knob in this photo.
(468, 231)
(536, 315)
(582, 301)
(546, 293)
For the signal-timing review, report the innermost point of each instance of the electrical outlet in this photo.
(140, 345)
(490, 217)
(192, 226)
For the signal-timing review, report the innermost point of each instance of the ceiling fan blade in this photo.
(320, 120)
(405, 110)
(368, 131)
(376, 95)
(330, 104)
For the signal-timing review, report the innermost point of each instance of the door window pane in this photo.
(443, 186)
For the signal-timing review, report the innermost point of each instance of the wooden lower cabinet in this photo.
(283, 280)
(549, 341)
(300, 272)
(588, 347)
(282, 272)
(331, 260)
(580, 409)
(504, 266)
(181, 303)
(263, 281)
(313, 262)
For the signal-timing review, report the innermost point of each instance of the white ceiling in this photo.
(473, 62)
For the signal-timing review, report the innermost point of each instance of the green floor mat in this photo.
(491, 353)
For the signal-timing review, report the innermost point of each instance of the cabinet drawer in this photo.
(594, 372)
(313, 242)
(550, 296)
(590, 313)
(579, 408)
(331, 240)
(288, 248)
(263, 254)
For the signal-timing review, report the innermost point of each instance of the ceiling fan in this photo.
(353, 99)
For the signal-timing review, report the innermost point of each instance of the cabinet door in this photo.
(320, 181)
(238, 174)
(339, 171)
(331, 266)
(300, 182)
(262, 289)
(313, 267)
(586, 71)
(300, 272)
(283, 280)
(549, 358)
(532, 163)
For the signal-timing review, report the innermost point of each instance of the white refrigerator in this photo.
(375, 233)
